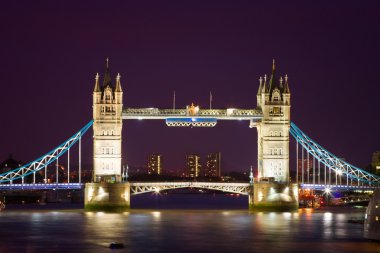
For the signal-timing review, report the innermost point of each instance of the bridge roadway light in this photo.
(230, 111)
(327, 190)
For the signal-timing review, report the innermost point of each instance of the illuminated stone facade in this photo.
(273, 130)
(272, 190)
(107, 109)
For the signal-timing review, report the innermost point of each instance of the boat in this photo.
(355, 220)
(116, 245)
(372, 218)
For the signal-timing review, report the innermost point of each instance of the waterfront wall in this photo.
(107, 196)
(273, 196)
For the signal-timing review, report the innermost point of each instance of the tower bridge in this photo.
(271, 118)
(271, 187)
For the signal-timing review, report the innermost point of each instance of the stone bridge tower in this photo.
(272, 188)
(107, 108)
(107, 192)
(273, 130)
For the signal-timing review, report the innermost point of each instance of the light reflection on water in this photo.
(182, 231)
(186, 230)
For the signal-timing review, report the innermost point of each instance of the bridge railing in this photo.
(43, 161)
(340, 168)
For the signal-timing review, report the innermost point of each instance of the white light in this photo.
(230, 111)
(140, 118)
(193, 119)
(327, 190)
(156, 215)
(157, 190)
(260, 196)
(339, 172)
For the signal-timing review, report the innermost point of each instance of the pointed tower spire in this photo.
(281, 80)
(260, 87)
(97, 87)
(286, 89)
(118, 85)
(107, 76)
(264, 84)
(272, 81)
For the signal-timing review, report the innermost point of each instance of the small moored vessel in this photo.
(116, 245)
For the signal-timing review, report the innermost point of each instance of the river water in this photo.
(213, 228)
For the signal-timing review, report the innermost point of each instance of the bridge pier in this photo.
(105, 196)
(273, 196)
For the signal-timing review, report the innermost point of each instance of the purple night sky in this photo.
(51, 51)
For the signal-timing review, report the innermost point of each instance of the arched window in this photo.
(276, 96)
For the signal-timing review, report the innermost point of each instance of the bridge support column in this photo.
(114, 197)
(273, 196)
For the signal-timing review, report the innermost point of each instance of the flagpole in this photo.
(210, 100)
(173, 101)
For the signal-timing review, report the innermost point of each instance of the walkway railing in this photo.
(222, 114)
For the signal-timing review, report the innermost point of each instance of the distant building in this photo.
(376, 161)
(193, 165)
(213, 165)
(9, 164)
(155, 164)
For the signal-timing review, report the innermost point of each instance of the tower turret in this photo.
(259, 91)
(97, 94)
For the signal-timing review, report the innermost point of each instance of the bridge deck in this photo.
(41, 186)
(337, 187)
(143, 187)
(219, 114)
